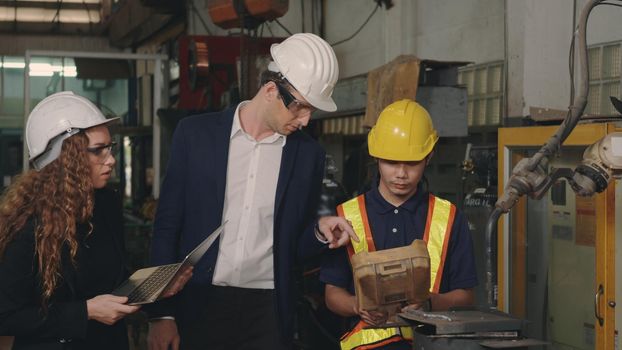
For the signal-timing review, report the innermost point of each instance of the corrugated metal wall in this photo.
(352, 125)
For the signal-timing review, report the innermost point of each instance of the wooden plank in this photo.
(386, 84)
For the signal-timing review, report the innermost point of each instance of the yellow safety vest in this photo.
(437, 233)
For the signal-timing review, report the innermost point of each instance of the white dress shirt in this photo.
(245, 256)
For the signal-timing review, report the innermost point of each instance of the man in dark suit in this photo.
(253, 170)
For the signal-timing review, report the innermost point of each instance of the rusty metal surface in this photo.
(464, 321)
(472, 341)
(511, 344)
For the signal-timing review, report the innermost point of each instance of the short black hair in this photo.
(268, 75)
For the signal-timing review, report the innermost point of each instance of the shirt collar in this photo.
(237, 126)
(236, 129)
(381, 206)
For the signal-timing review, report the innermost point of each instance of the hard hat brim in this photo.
(327, 105)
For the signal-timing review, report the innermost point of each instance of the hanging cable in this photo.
(270, 29)
(571, 55)
(196, 13)
(56, 18)
(610, 4)
(571, 67)
(15, 15)
(88, 14)
(282, 26)
(360, 28)
(302, 14)
(313, 2)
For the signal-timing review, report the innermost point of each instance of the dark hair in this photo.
(268, 75)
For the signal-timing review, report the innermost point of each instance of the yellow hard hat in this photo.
(403, 132)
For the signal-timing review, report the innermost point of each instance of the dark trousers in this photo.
(235, 318)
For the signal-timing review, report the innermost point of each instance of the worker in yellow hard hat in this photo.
(397, 210)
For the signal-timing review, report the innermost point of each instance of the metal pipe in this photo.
(576, 110)
(519, 184)
(491, 286)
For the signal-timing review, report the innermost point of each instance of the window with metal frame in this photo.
(484, 83)
(605, 67)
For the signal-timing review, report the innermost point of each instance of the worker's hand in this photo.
(108, 308)
(179, 282)
(162, 335)
(373, 318)
(337, 231)
(423, 306)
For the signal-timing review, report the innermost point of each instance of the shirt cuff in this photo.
(152, 319)
(318, 234)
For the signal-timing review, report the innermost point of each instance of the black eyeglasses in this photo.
(102, 152)
(292, 102)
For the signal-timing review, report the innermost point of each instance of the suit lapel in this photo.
(221, 138)
(288, 161)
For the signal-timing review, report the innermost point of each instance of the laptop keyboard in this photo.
(153, 283)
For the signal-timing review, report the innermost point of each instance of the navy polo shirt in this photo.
(394, 227)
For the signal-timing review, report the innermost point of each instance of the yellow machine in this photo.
(557, 258)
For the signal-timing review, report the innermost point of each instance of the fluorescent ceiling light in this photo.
(29, 14)
(64, 1)
(13, 65)
(42, 69)
(47, 70)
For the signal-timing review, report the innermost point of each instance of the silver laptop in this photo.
(147, 285)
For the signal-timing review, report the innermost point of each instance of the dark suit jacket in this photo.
(65, 326)
(191, 206)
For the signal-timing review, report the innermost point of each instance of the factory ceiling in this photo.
(126, 23)
(52, 16)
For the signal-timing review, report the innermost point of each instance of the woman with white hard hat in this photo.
(61, 235)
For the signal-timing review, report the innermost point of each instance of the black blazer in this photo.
(65, 325)
(191, 206)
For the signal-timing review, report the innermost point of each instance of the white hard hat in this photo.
(54, 119)
(310, 65)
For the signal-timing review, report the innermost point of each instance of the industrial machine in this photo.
(533, 175)
(601, 161)
(466, 330)
(245, 13)
(211, 74)
(556, 259)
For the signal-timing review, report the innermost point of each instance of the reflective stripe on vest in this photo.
(355, 211)
(437, 233)
(441, 215)
(360, 339)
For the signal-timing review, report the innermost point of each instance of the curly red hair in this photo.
(57, 197)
